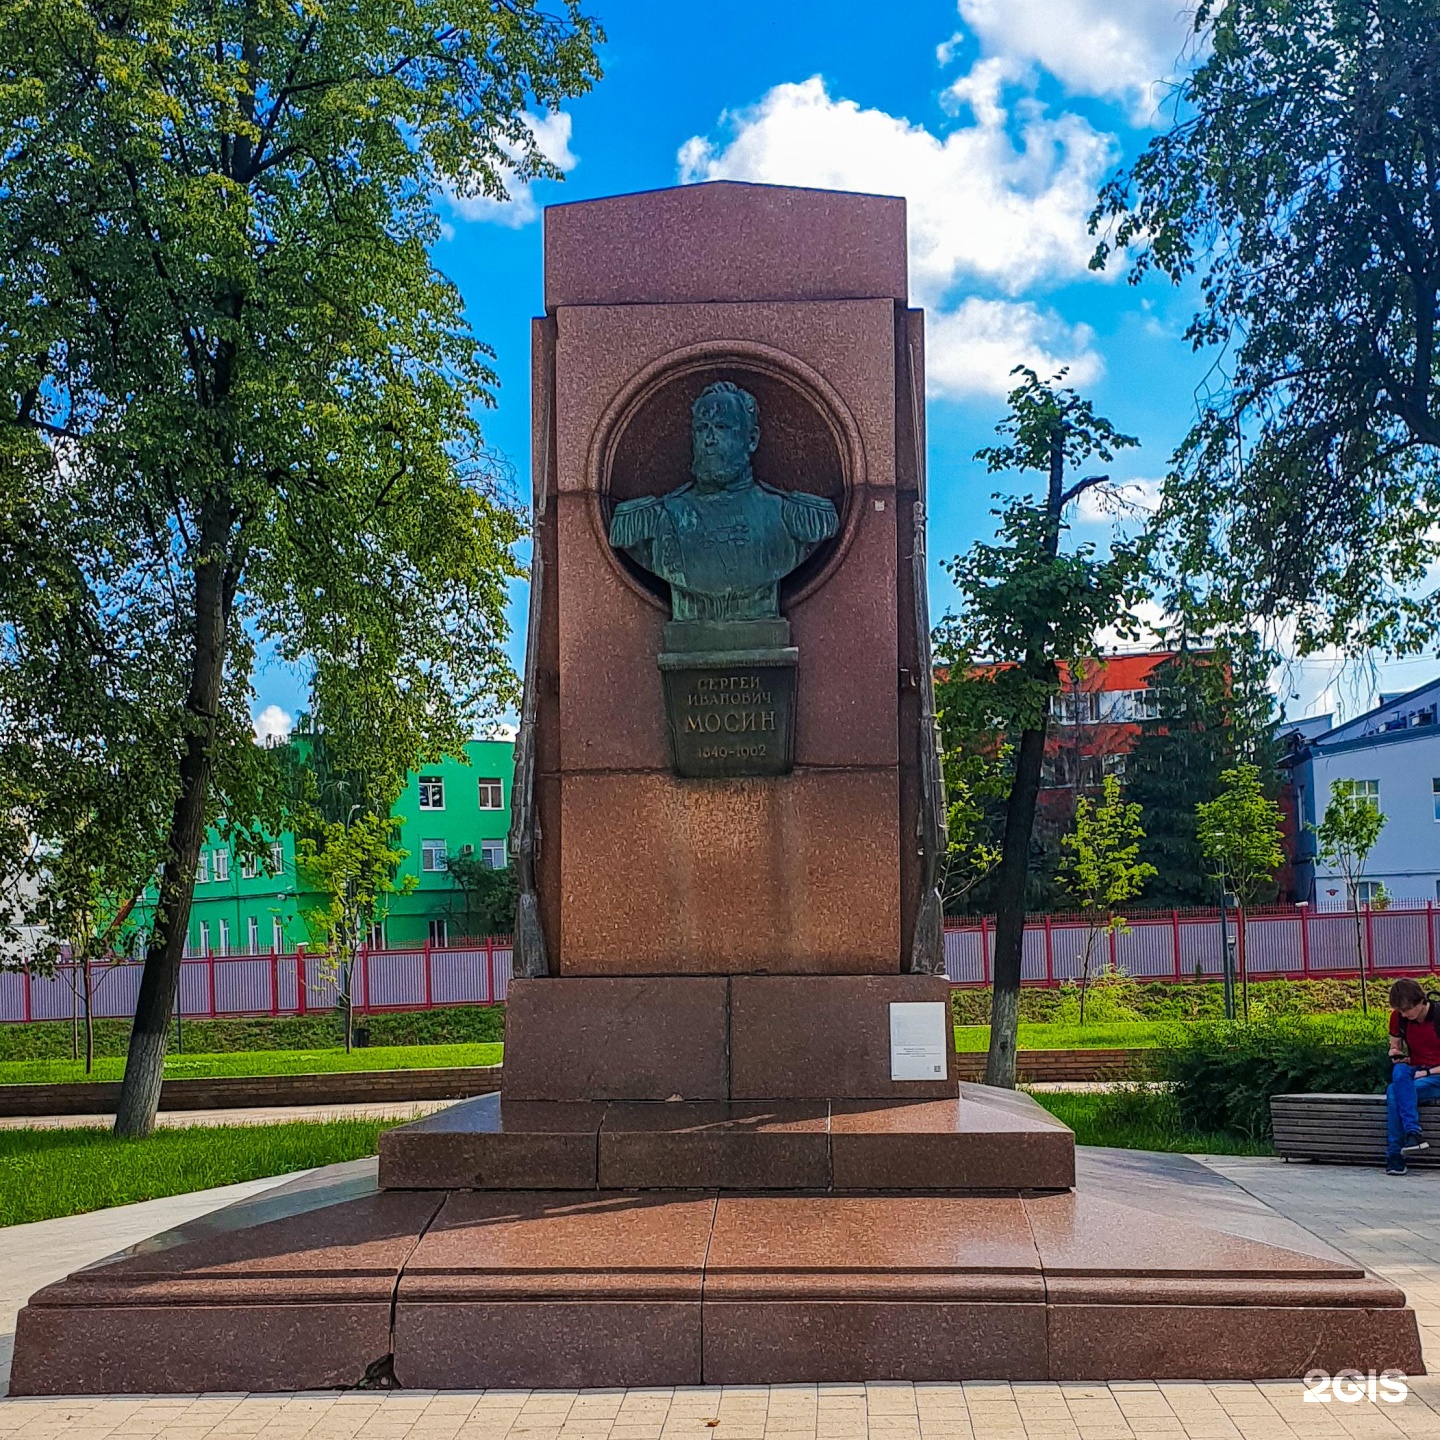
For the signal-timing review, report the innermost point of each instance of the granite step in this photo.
(978, 1141)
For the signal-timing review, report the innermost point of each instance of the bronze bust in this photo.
(724, 540)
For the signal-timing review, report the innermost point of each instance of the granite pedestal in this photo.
(333, 1281)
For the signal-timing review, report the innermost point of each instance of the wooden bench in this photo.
(1348, 1129)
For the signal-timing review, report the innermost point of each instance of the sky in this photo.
(997, 120)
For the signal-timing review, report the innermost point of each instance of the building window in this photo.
(1367, 891)
(440, 932)
(202, 868)
(1435, 791)
(277, 935)
(377, 935)
(1367, 790)
(492, 852)
(1075, 707)
(254, 945)
(492, 795)
(432, 792)
(432, 855)
(222, 865)
(1113, 765)
(1144, 704)
(204, 937)
(249, 867)
(224, 937)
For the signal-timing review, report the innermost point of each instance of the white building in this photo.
(1391, 755)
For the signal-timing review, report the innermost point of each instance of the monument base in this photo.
(704, 1037)
(333, 1282)
(983, 1141)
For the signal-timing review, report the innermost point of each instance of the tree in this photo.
(1239, 834)
(488, 895)
(1026, 605)
(1103, 868)
(1214, 712)
(1300, 182)
(975, 762)
(1345, 836)
(236, 393)
(353, 865)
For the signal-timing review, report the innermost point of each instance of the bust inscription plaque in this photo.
(723, 542)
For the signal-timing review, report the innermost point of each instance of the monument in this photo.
(731, 1145)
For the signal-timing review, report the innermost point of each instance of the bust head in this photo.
(724, 431)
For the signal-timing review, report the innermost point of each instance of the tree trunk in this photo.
(89, 1018)
(349, 973)
(1019, 825)
(1010, 909)
(1360, 951)
(145, 1060)
(1241, 958)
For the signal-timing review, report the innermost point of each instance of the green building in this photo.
(448, 810)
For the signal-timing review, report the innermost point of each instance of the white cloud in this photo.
(552, 138)
(984, 206)
(272, 725)
(1124, 500)
(1122, 50)
(972, 349)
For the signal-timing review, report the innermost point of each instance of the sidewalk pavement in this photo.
(1391, 1225)
(266, 1115)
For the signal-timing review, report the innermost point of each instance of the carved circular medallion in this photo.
(808, 441)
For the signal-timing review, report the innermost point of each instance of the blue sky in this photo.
(997, 119)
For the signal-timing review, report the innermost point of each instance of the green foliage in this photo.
(1348, 831)
(1163, 1000)
(1025, 604)
(452, 1025)
(1102, 867)
(197, 1065)
(1225, 1073)
(1239, 834)
(1101, 870)
(489, 895)
(1108, 997)
(352, 864)
(238, 404)
(49, 1173)
(1299, 183)
(1215, 710)
(1141, 1116)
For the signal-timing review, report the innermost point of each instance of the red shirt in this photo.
(1421, 1039)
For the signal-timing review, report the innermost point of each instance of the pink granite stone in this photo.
(724, 241)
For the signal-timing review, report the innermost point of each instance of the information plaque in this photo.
(918, 1035)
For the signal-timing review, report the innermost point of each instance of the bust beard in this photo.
(712, 475)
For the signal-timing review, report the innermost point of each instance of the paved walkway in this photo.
(267, 1115)
(1391, 1225)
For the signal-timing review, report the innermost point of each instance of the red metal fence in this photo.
(1295, 942)
(421, 978)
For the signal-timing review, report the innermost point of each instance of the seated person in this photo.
(1415, 1076)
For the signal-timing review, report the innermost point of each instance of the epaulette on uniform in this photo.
(809, 518)
(636, 520)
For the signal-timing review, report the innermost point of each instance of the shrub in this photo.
(1224, 1073)
(1189, 1000)
(1112, 996)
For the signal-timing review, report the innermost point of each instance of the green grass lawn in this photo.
(1140, 1117)
(1112, 1035)
(46, 1173)
(260, 1062)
